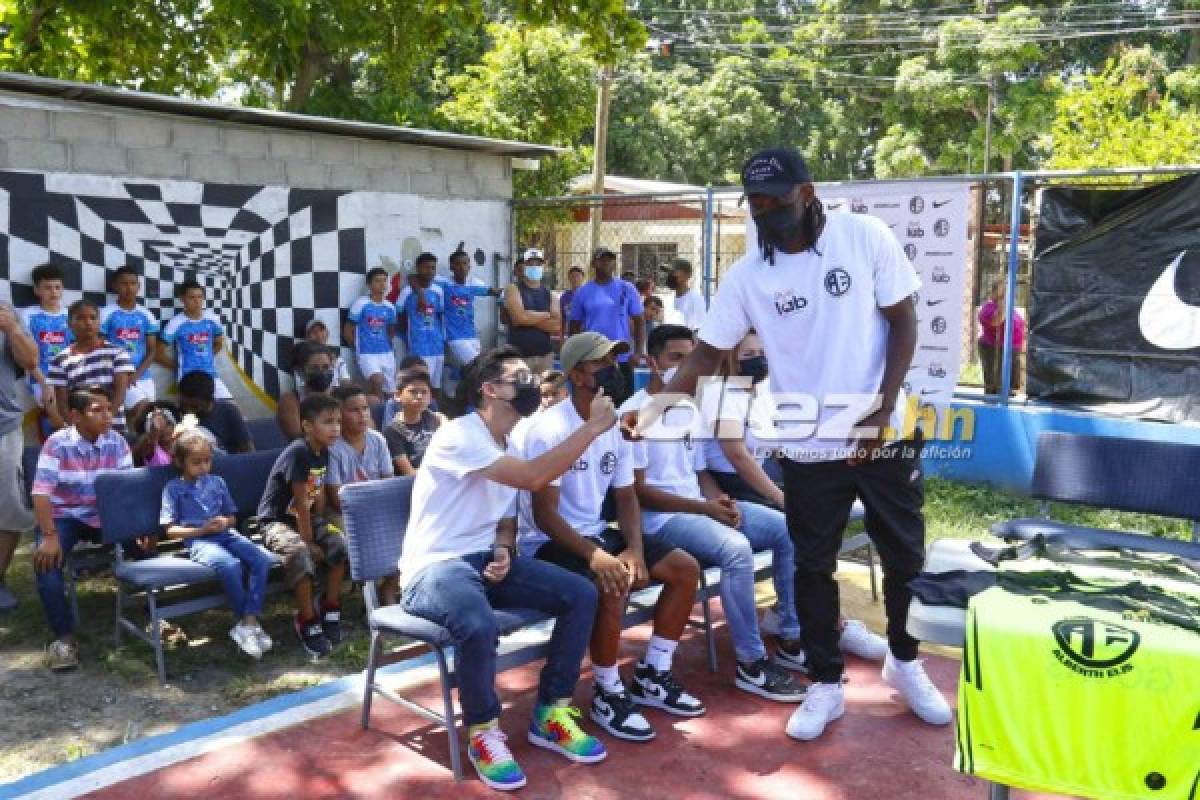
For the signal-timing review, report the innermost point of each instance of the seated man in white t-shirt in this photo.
(683, 506)
(459, 562)
(564, 525)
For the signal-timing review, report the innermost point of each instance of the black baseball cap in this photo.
(774, 171)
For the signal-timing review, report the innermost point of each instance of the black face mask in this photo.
(780, 226)
(526, 400)
(610, 380)
(318, 380)
(672, 283)
(754, 368)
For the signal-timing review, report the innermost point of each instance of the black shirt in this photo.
(227, 424)
(411, 440)
(298, 462)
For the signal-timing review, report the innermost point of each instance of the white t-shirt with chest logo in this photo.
(818, 316)
(607, 462)
(670, 464)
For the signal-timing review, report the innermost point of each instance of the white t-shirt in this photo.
(691, 308)
(608, 461)
(670, 465)
(819, 320)
(455, 509)
(734, 406)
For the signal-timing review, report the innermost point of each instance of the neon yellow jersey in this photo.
(1061, 697)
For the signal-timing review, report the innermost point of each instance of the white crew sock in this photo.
(660, 652)
(608, 678)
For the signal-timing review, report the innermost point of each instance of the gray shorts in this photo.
(15, 515)
(284, 541)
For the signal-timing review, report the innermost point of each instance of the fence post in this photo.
(1010, 300)
(708, 244)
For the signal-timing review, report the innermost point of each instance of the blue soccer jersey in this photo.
(426, 322)
(371, 321)
(50, 330)
(194, 340)
(460, 306)
(128, 329)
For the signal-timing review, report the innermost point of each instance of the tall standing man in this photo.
(830, 296)
(18, 354)
(611, 306)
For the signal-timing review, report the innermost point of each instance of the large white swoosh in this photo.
(1165, 320)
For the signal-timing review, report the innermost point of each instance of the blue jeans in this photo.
(714, 544)
(51, 586)
(454, 594)
(240, 564)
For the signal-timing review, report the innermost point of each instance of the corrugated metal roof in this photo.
(145, 101)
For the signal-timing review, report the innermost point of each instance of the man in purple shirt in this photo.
(611, 306)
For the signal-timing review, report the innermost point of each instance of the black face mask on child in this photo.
(610, 380)
(318, 380)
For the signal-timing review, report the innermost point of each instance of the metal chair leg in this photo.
(871, 572)
(997, 791)
(369, 688)
(156, 637)
(448, 704)
(119, 615)
(706, 610)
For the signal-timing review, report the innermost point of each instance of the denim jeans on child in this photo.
(51, 585)
(240, 564)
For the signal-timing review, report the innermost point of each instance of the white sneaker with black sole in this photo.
(767, 679)
(825, 703)
(660, 690)
(616, 713)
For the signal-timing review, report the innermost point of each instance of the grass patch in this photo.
(243, 690)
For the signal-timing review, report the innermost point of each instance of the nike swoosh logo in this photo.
(1165, 320)
(602, 707)
(939, 204)
(759, 680)
(934, 302)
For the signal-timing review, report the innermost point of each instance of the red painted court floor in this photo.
(737, 751)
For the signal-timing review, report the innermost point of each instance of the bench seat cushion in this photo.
(159, 572)
(395, 619)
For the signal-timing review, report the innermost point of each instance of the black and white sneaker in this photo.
(766, 679)
(791, 655)
(617, 714)
(312, 638)
(331, 625)
(661, 690)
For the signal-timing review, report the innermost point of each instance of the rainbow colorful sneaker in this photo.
(554, 728)
(493, 760)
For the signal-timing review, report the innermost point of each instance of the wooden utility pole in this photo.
(603, 97)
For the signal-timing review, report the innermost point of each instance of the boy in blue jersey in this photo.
(192, 339)
(459, 293)
(47, 324)
(422, 317)
(371, 326)
(130, 325)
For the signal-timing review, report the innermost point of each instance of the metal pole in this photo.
(1010, 299)
(599, 156)
(708, 244)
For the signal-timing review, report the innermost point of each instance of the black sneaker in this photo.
(312, 637)
(617, 714)
(791, 655)
(331, 624)
(766, 679)
(661, 690)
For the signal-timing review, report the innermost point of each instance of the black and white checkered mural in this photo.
(271, 257)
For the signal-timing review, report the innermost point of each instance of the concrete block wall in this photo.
(59, 135)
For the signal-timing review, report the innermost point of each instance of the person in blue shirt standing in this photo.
(422, 311)
(195, 335)
(47, 324)
(612, 306)
(371, 326)
(459, 293)
(130, 325)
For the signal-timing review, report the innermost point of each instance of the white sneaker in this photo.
(264, 641)
(910, 680)
(246, 640)
(858, 640)
(824, 703)
(771, 622)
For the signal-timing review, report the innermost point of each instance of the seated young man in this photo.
(64, 505)
(459, 563)
(361, 452)
(566, 527)
(295, 525)
(408, 433)
(553, 388)
(683, 506)
(222, 418)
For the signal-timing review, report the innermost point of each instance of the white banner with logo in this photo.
(930, 221)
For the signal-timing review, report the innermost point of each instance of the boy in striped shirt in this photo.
(64, 505)
(90, 360)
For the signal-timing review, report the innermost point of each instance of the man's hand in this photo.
(48, 555)
(868, 447)
(8, 320)
(214, 525)
(497, 569)
(602, 414)
(635, 566)
(724, 510)
(610, 572)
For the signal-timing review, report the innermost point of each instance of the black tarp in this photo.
(1098, 336)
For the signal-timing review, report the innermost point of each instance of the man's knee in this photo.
(474, 626)
(736, 554)
(678, 569)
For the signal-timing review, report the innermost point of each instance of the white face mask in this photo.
(669, 374)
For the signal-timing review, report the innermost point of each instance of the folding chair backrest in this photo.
(1122, 474)
(246, 475)
(265, 434)
(129, 501)
(377, 410)
(375, 514)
